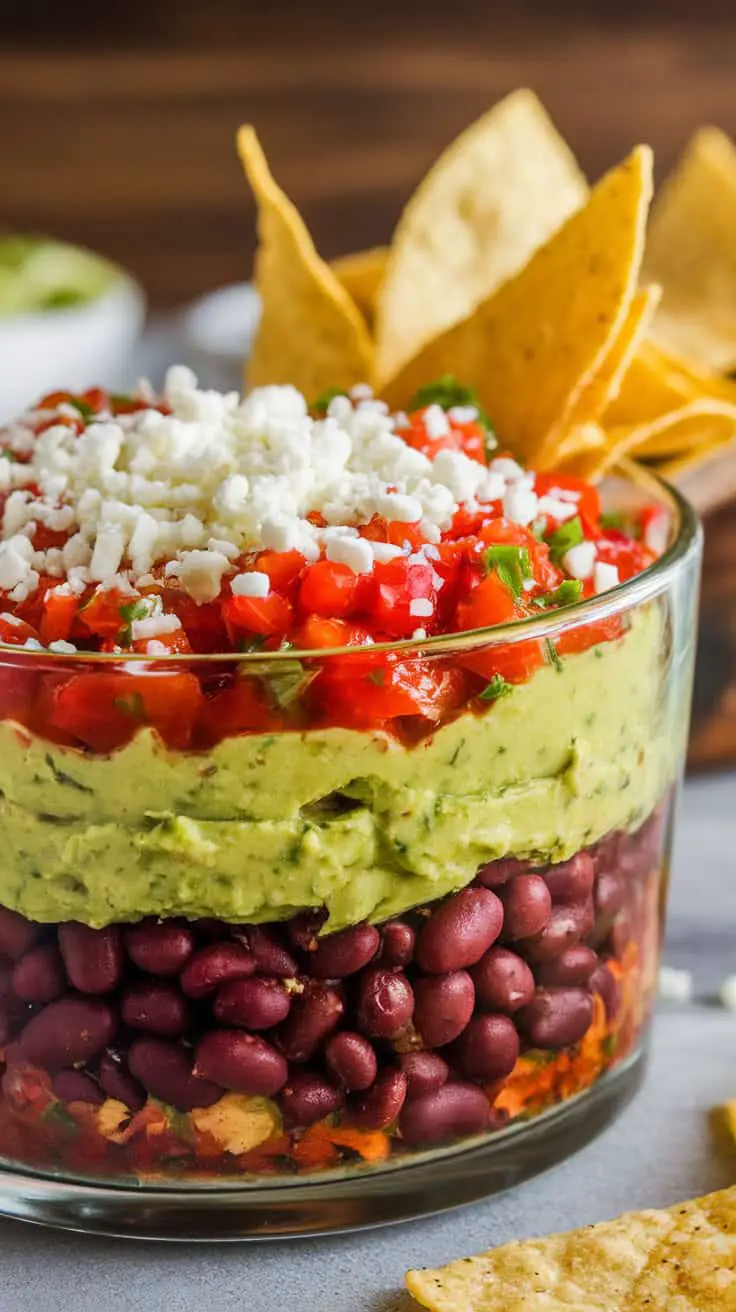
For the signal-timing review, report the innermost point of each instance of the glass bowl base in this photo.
(432, 1182)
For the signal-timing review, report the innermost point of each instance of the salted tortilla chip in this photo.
(691, 250)
(361, 275)
(694, 426)
(680, 1259)
(657, 382)
(533, 348)
(311, 333)
(491, 199)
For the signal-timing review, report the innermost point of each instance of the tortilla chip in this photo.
(691, 250)
(491, 199)
(533, 348)
(681, 1259)
(606, 384)
(700, 459)
(311, 333)
(657, 382)
(361, 275)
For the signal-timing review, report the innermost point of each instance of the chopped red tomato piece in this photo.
(329, 589)
(103, 710)
(470, 438)
(581, 494)
(284, 569)
(265, 616)
(15, 631)
(513, 661)
(241, 708)
(489, 603)
(390, 689)
(59, 614)
(396, 584)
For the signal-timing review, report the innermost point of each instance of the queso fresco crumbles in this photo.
(278, 854)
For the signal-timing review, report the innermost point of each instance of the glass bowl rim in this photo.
(640, 588)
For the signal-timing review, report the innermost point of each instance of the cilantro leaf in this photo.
(570, 534)
(284, 681)
(133, 610)
(323, 400)
(85, 410)
(377, 677)
(553, 656)
(447, 392)
(132, 706)
(512, 565)
(615, 520)
(566, 595)
(497, 688)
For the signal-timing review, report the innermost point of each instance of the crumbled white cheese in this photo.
(436, 422)
(556, 508)
(62, 648)
(154, 626)
(520, 504)
(355, 552)
(579, 561)
(384, 551)
(253, 584)
(604, 576)
(508, 468)
(675, 985)
(421, 608)
(463, 414)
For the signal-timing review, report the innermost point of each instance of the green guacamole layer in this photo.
(263, 826)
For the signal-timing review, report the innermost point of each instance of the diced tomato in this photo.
(59, 614)
(317, 632)
(265, 616)
(241, 708)
(96, 399)
(395, 531)
(587, 501)
(284, 569)
(470, 438)
(103, 710)
(489, 603)
(391, 689)
(329, 589)
(580, 637)
(203, 623)
(174, 644)
(395, 584)
(102, 613)
(15, 632)
(513, 661)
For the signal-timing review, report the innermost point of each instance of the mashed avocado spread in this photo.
(39, 274)
(265, 825)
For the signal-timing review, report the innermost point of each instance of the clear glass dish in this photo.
(187, 1052)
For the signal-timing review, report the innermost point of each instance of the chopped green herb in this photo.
(538, 528)
(319, 406)
(447, 393)
(85, 410)
(498, 687)
(457, 751)
(255, 643)
(133, 610)
(567, 594)
(570, 534)
(121, 398)
(377, 677)
(616, 520)
(512, 565)
(284, 681)
(553, 656)
(64, 779)
(131, 706)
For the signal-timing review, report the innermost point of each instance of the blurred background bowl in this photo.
(73, 347)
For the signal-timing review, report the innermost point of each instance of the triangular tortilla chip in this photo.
(361, 274)
(532, 348)
(657, 382)
(606, 384)
(495, 195)
(693, 429)
(680, 1259)
(311, 333)
(691, 250)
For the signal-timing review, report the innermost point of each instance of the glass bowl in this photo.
(304, 941)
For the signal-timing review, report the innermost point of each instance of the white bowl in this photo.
(72, 348)
(218, 332)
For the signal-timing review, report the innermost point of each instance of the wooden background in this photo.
(117, 123)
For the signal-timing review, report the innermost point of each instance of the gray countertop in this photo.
(659, 1151)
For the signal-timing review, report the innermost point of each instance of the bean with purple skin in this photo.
(270, 954)
(303, 929)
(257, 1003)
(155, 1006)
(343, 953)
(381, 1104)
(17, 934)
(385, 1002)
(453, 1111)
(307, 1098)
(160, 947)
(487, 1049)
(164, 1068)
(424, 1071)
(242, 1062)
(557, 1017)
(77, 1086)
(503, 981)
(214, 965)
(352, 1060)
(39, 975)
(527, 904)
(443, 1006)
(571, 881)
(498, 873)
(314, 1015)
(567, 925)
(610, 895)
(604, 983)
(574, 966)
(460, 931)
(397, 943)
(118, 1082)
(93, 958)
(68, 1032)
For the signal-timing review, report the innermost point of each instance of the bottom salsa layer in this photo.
(195, 1048)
